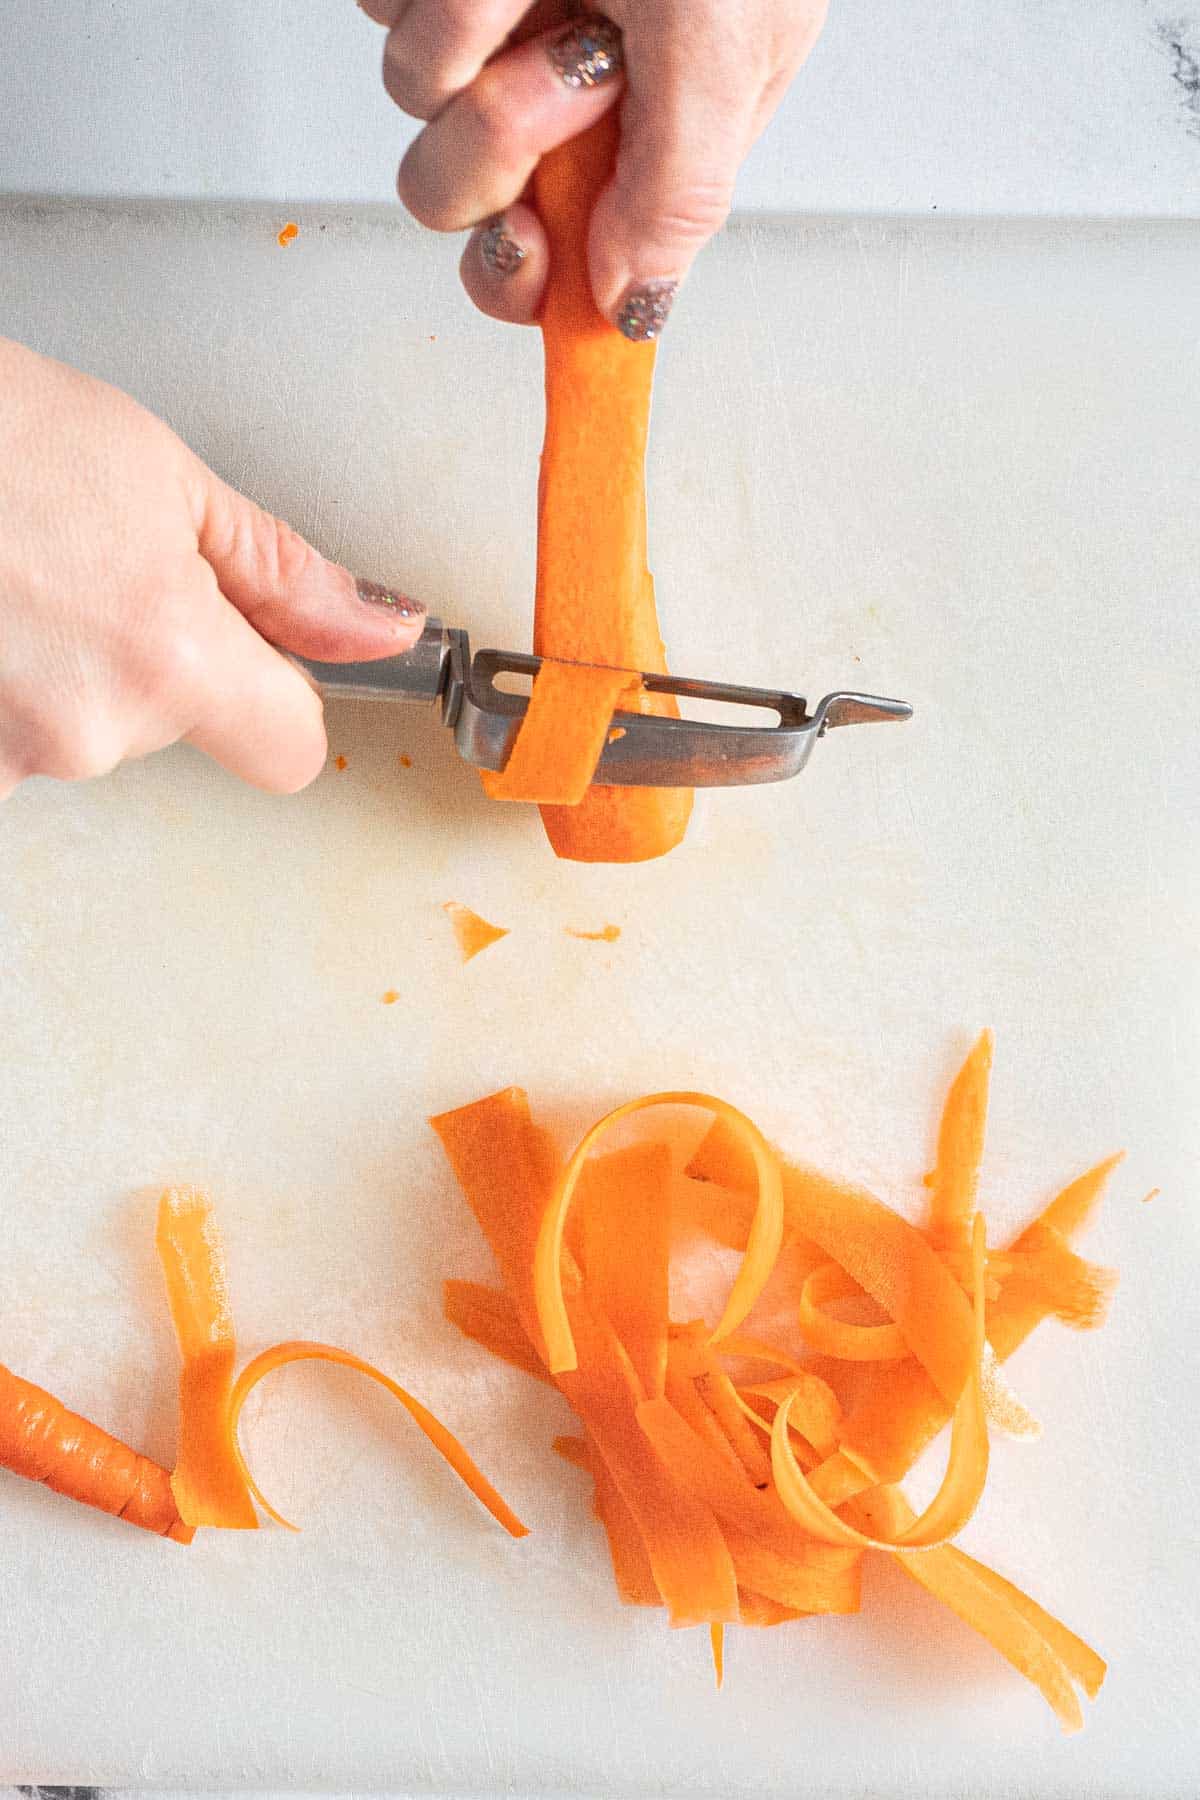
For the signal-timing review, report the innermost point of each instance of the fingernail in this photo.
(401, 606)
(645, 310)
(501, 253)
(587, 52)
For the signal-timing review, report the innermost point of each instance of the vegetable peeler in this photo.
(645, 750)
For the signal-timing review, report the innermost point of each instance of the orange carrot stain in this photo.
(339, 762)
(609, 935)
(390, 997)
(405, 762)
(618, 731)
(473, 933)
(288, 235)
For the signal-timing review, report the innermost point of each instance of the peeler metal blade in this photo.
(650, 751)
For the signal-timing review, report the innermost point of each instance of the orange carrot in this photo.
(44, 1441)
(562, 735)
(443, 1441)
(208, 1482)
(595, 597)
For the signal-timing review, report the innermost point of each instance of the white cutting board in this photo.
(954, 463)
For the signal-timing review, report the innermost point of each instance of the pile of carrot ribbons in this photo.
(742, 1471)
(742, 1468)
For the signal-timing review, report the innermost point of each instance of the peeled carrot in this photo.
(562, 735)
(44, 1441)
(595, 596)
(443, 1441)
(208, 1483)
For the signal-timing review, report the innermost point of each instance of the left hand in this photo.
(501, 83)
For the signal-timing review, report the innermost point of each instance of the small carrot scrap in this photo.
(389, 997)
(208, 1482)
(288, 235)
(607, 935)
(1152, 1195)
(45, 1441)
(562, 735)
(473, 933)
(443, 1441)
(340, 763)
(758, 1475)
(405, 761)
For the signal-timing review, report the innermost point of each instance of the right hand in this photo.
(143, 601)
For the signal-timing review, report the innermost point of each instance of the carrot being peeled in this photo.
(46, 1442)
(595, 596)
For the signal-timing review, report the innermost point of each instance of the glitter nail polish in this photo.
(501, 253)
(645, 310)
(588, 52)
(373, 593)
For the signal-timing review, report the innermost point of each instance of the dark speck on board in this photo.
(61, 1793)
(1182, 44)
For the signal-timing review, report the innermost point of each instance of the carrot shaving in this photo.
(837, 1337)
(473, 933)
(209, 1481)
(960, 1149)
(607, 935)
(488, 1316)
(288, 235)
(761, 1250)
(729, 1496)
(562, 735)
(966, 1469)
(624, 1200)
(443, 1441)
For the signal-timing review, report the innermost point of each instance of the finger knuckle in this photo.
(691, 212)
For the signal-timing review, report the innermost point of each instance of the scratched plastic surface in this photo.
(951, 462)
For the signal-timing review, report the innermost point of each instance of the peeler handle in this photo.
(422, 674)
